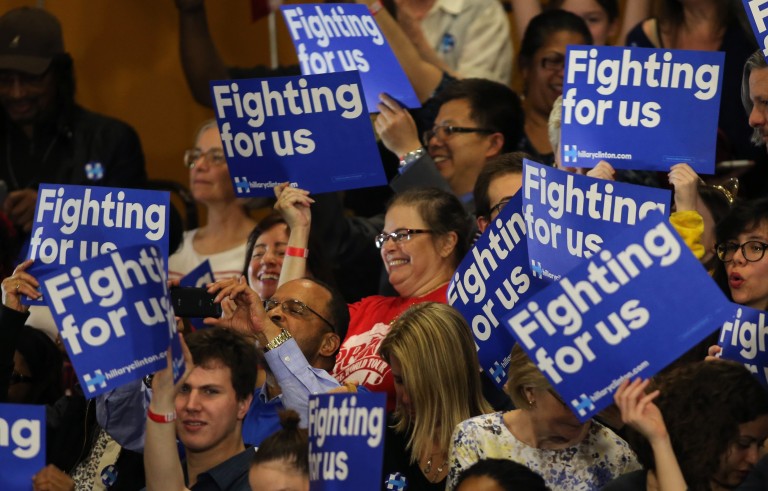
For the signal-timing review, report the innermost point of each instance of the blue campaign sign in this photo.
(198, 278)
(743, 338)
(114, 316)
(569, 216)
(346, 441)
(491, 281)
(757, 12)
(312, 131)
(75, 223)
(333, 38)
(627, 312)
(22, 445)
(641, 108)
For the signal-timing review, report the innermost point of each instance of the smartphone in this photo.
(194, 302)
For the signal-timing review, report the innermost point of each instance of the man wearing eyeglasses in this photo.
(478, 119)
(45, 135)
(300, 330)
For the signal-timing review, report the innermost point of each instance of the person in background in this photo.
(708, 25)
(601, 16)
(742, 239)
(716, 417)
(542, 65)
(222, 240)
(499, 475)
(45, 136)
(281, 462)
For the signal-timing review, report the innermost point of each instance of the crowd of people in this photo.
(348, 294)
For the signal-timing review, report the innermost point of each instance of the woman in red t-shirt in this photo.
(426, 234)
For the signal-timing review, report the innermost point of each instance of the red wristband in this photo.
(297, 252)
(161, 418)
(375, 7)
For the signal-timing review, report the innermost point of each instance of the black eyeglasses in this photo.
(500, 205)
(17, 378)
(752, 250)
(553, 62)
(295, 308)
(214, 156)
(444, 131)
(398, 235)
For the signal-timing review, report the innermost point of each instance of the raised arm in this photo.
(424, 76)
(199, 58)
(639, 412)
(161, 457)
(523, 11)
(635, 12)
(294, 205)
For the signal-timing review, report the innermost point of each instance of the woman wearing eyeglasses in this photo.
(542, 65)
(223, 238)
(543, 434)
(742, 238)
(425, 235)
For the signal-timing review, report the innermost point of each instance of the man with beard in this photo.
(754, 97)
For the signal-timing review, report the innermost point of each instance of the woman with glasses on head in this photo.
(425, 235)
(742, 238)
(222, 239)
(542, 65)
(543, 434)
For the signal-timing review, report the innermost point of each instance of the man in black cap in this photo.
(44, 135)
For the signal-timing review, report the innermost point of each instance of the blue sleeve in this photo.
(297, 379)
(122, 413)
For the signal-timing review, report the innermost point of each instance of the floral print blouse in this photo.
(595, 461)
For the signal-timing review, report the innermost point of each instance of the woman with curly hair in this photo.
(716, 416)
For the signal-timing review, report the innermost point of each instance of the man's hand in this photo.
(396, 127)
(248, 316)
(20, 208)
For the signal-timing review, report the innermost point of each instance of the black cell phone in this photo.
(194, 302)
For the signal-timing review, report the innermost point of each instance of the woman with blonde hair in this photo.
(543, 434)
(431, 353)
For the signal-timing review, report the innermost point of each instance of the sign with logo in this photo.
(344, 37)
(198, 278)
(75, 223)
(618, 99)
(114, 317)
(620, 315)
(311, 130)
(22, 445)
(491, 281)
(743, 339)
(757, 12)
(346, 441)
(569, 216)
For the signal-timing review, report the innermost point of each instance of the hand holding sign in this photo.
(686, 184)
(396, 126)
(639, 411)
(20, 283)
(294, 205)
(51, 478)
(164, 389)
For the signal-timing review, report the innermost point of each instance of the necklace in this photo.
(438, 471)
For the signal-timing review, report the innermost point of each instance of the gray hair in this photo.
(755, 62)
